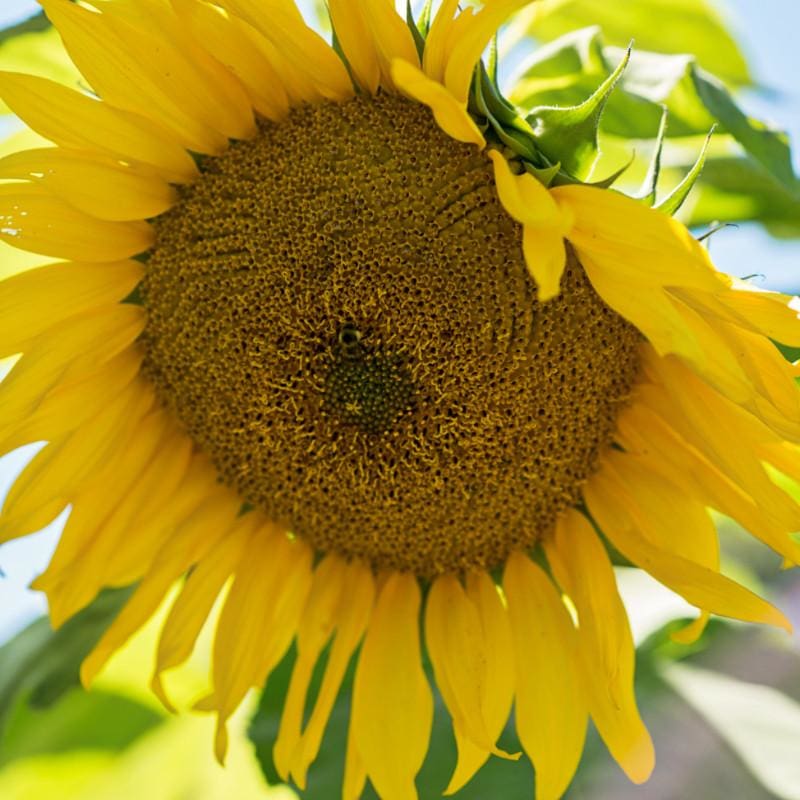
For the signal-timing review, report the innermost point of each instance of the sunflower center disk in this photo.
(341, 317)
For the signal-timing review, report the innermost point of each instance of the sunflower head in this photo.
(379, 344)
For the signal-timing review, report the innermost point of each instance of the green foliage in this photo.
(737, 188)
(666, 26)
(35, 24)
(761, 724)
(575, 67)
(747, 175)
(78, 721)
(40, 664)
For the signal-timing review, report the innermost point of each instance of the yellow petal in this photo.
(352, 615)
(130, 450)
(155, 70)
(69, 406)
(32, 219)
(76, 572)
(623, 234)
(706, 419)
(774, 315)
(524, 198)
(660, 508)
(75, 120)
(146, 473)
(258, 621)
(392, 710)
(471, 42)
(650, 440)
(390, 36)
(545, 256)
(193, 605)
(450, 115)
(649, 307)
(717, 365)
(136, 556)
(227, 39)
(33, 301)
(774, 396)
(458, 649)
(315, 630)
(497, 691)
(770, 313)
(434, 59)
(50, 480)
(698, 585)
(613, 236)
(550, 706)
(95, 185)
(355, 775)
(455, 644)
(189, 544)
(583, 569)
(307, 52)
(353, 33)
(545, 224)
(69, 351)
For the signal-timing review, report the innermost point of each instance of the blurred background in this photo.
(725, 714)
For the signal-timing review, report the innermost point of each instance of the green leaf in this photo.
(41, 664)
(697, 99)
(579, 63)
(665, 26)
(759, 723)
(737, 189)
(35, 24)
(568, 134)
(573, 67)
(79, 721)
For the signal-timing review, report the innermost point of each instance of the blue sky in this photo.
(768, 32)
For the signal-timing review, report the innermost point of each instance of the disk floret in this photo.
(341, 316)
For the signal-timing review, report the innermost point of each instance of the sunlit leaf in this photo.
(760, 723)
(41, 664)
(737, 189)
(569, 70)
(79, 721)
(698, 100)
(665, 26)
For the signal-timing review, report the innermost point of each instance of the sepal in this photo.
(570, 134)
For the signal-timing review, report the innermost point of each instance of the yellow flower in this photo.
(365, 358)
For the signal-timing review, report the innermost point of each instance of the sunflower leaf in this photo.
(41, 664)
(666, 26)
(579, 63)
(697, 99)
(569, 134)
(35, 24)
(759, 723)
(738, 189)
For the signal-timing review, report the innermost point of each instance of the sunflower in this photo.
(332, 336)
